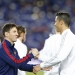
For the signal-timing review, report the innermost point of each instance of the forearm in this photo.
(12, 61)
(44, 57)
(27, 67)
(50, 63)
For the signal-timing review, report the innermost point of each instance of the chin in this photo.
(15, 40)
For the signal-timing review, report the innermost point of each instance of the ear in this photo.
(6, 34)
(62, 22)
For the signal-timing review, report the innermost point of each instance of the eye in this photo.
(15, 31)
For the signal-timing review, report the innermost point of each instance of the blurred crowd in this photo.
(37, 16)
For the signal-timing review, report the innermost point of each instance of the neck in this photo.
(63, 29)
(9, 41)
(20, 39)
(57, 32)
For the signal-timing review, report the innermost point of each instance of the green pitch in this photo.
(39, 73)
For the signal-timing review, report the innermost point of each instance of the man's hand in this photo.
(34, 51)
(36, 56)
(47, 69)
(36, 69)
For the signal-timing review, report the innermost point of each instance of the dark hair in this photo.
(7, 27)
(64, 16)
(20, 30)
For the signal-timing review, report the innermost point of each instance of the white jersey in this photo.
(22, 51)
(65, 55)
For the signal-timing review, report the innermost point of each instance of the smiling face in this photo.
(12, 34)
(58, 24)
(62, 21)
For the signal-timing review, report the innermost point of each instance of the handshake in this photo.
(37, 68)
(34, 51)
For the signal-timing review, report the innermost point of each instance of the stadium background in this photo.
(37, 16)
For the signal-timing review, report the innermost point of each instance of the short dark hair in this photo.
(7, 27)
(20, 29)
(64, 16)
